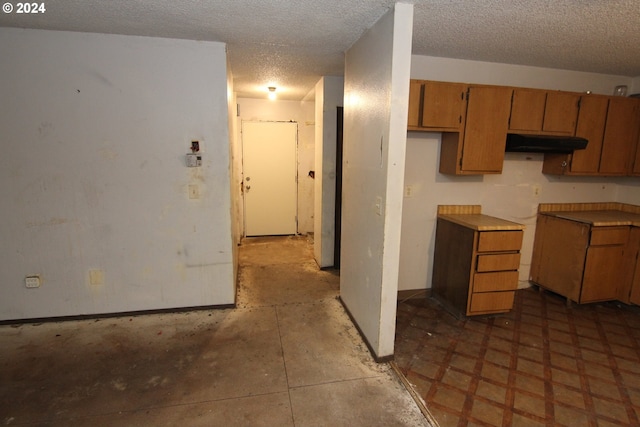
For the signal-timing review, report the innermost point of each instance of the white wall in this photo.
(375, 117)
(457, 70)
(93, 177)
(634, 88)
(629, 191)
(329, 94)
(514, 194)
(235, 164)
(303, 114)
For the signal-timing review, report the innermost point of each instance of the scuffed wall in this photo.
(95, 189)
(376, 94)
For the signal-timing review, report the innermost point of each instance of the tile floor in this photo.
(288, 355)
(543, 364)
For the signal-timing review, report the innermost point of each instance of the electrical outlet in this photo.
(408, 191)
(194, 191)
(32, 281)
(536, 189)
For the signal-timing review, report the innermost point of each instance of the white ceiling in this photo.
(292, 43)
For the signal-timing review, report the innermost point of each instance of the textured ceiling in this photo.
(292, 43)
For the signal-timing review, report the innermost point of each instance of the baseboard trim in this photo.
(378, 359)
(409, 294)
(112, 315)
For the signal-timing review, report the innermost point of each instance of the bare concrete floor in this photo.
(286, 356)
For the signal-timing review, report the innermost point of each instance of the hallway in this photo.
(288, 355)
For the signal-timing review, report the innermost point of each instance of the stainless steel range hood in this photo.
(544, 144)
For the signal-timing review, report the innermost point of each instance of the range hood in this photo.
(544, 144)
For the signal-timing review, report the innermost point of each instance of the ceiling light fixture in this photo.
(272, 92)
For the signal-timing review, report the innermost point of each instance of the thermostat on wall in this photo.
(194, 160)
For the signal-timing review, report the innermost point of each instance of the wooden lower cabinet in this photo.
(632, 293)
(475, 272)
(581, 262)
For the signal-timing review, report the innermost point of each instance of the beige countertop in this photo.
(599, 218)
(482, 222)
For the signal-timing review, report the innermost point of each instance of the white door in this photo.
(270, 175)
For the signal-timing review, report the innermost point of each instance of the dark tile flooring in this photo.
(543, 364)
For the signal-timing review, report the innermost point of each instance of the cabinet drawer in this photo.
(498, 281)
(491, 301)
(494, 241)
(498, 262)
(609, 236)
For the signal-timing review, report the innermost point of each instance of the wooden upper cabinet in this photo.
(415, 104)
(485, 131)
(591, 122)
(620, 136)
(527, 109)
(475, 119)
(443, 105)
(543, 112)
(636, 163)
(611, 124)
(561, 113)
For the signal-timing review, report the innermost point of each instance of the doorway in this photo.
(338, 209)
(269, 152)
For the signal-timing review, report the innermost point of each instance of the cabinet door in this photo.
(527, 109)
(591, 121)
(634, 266)
(636, 163)
(603, 273)
(543, 112)
(635, 285)
(443, 105)
(485, 131)
(620, 136)
(629, 290)
(559, 252)
(560, 113)
(415, 101)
